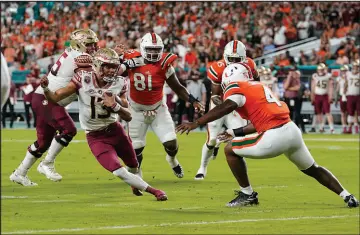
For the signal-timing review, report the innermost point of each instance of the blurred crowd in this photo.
(196, 31)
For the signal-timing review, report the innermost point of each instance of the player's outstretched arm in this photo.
(183, 93)
(59, 94)
(219, 111)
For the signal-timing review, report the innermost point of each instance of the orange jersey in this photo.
(147, 81)
(261, 107)
(217, 68)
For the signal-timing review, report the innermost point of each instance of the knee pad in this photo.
(35, 150)
(139, 155)
(64, 139)
(210, 147)
(171, 148)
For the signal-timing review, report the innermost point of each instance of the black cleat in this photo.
(243, 199)
(199, 176)
(351, 201)
(178, 171)
(312, 130)
(136, 192)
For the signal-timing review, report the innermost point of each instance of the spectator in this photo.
(32, 82)
(52, 62)
(11, 101)
(342, 59)
(292, 87)
(304, 59)
(279, 37)
(195, 87)
(303, 28)
(290, 58)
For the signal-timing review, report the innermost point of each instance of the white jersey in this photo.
(61, 74)
(271, 84)
(5, 81)
(341, 83)
(321, 83)
(353, 81)
(92, 115)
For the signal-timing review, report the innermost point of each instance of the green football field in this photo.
(91, 200)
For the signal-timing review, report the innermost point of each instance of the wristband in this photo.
(116, 107)
(239, 132)
(46, 89)
(192, 99)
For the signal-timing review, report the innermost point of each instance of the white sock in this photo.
(54, 150)
(331, 126)
(130, 179)
(25, 165)
(344, 194)
(247, 190)
(205, 158)
(173, 162)
(135, 171)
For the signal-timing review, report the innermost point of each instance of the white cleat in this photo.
(20, 179)
(48, 169)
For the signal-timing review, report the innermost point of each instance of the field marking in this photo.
(49, 201)
(306, 139)
(179, 224)
(12, 197)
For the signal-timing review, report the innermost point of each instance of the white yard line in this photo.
(180, 208)
(13, 197)
(179, 224)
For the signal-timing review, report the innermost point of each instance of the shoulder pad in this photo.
(167, 59)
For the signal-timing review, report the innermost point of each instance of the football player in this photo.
(352, 88)
(5, 81)
(321, 95)
(98, 89)
(270, 119)
(146, 98)
(340, 90)
(55, 129)
(234, 52)
(271, 82)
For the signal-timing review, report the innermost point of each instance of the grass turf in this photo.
(91, 200)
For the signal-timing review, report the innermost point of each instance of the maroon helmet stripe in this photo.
(235, 46)
(153, 38)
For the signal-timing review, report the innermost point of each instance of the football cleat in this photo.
(160, 195)
(20, 179)
(48, 169)
(243, 199)
(312, 130)
(322, 130)
(351, 201)
(199, 176)
(136, 192)
(178, 171)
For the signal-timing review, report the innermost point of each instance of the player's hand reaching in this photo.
(134, 62)
(225, 136)
(120, 49)
(44, 82)
(186, 127)
(108, 100)
(199, 107)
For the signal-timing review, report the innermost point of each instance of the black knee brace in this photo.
(139, 155)
(171, 149)
(64, 139)
(35, 150)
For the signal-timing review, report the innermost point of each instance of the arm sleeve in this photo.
(237, 98)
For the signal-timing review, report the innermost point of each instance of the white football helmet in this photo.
(236, 72)
(151, 47)
(234, 52)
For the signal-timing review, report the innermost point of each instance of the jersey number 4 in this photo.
(93, 109)
(55, 68)
(270, 96)
(140, 82)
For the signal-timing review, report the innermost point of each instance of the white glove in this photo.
(149, 116)
(134, 62)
